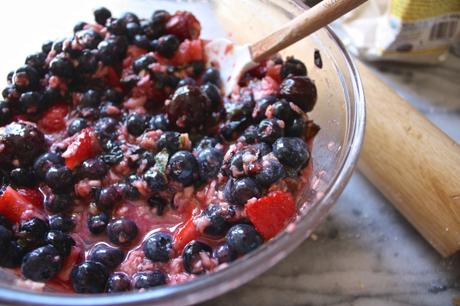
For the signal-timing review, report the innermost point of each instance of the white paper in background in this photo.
(402, 30)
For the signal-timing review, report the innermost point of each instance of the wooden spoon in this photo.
(234, 60)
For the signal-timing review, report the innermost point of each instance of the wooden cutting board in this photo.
(413, 163)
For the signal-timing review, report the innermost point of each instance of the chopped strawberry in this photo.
(188, 51)
(184, 234)
(274, 72)
(83, 146)
(69, 262)
(53, 120)
(32, 195)
(184, 25)
(271, 213)
(134, 51)
(12, 204)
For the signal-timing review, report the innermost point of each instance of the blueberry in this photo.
(5, 113)
(197, 67)
(25, 78)
(159, 19)
(5, 236)
(30, 103)
(91, 98)
(23, 142)
(79, 26)
(59, 178)
(61, 67)
(62, 242)
(206, 143)
(149, 279)
(212, 75)
(130, 17)
(282, 110)
(41, 264)
(230, 130)
(296, 128)
(101, 15)
(12, 255)
(11, 94)
(23, 177)
(183, 168)
(122, 231)
(143, 62)
(50, 96)
(58, 203)
(186, 81)
(270, 130)
(118, 282)
(136, 124)
(142, 41)
(45, 162)
(272, 170)
(93, 169)
(61, 223)
(239, 191)
(167, 45)
(158, 203)
(37, 61)
(159, 122)
(300, 90)
(148, 29)
(189, 108)
(116, 26)
(243, 109)
(111, 50)
(209, 163)
(249, 135)
(128, 191)
(46, 47)
(9, 77)
(156, 180)
(243, 238)
(97, 224)
(293, 67)
(108, 198)
(31, 233)
(112, 95)
(132, 29)
(5, 222)
(89, 277)
(223, 253)
(219, 218)
(191, 255)
(89, 38)
(169, 141)
(263, 104)
(109, 256)
(57, 46)
(213, 93)
(158, 247)
(106, 127)
(291, 152)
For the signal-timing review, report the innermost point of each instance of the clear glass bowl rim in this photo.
(193, 291)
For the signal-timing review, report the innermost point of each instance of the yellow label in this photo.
(411, 10)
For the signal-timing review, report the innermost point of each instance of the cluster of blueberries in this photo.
(271, 147)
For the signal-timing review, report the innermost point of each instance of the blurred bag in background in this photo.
(416, 31)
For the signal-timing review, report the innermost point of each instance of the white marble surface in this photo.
(366, 253)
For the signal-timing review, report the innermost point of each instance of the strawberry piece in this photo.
(183, 235)
(188, 51)
(33, 196)
(184, 25)
(271, 213)
(113, 79)
(12, 205)
(69, 262)
(53, 120)
(83, 146)
(275, 73)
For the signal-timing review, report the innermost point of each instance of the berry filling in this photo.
(124, 167)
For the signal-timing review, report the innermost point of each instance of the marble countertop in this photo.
(366, 253)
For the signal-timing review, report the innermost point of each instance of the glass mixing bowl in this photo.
(340, 112)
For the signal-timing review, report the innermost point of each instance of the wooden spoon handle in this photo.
(413, 163)
(308, 22)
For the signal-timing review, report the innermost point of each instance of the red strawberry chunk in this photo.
(69, 262)
(184, 25)
(271, 213)
(83, 146)
(274, 72)
(113, 79)
(184, 234)
(12, 205)
(53, 120)
(33, 196)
